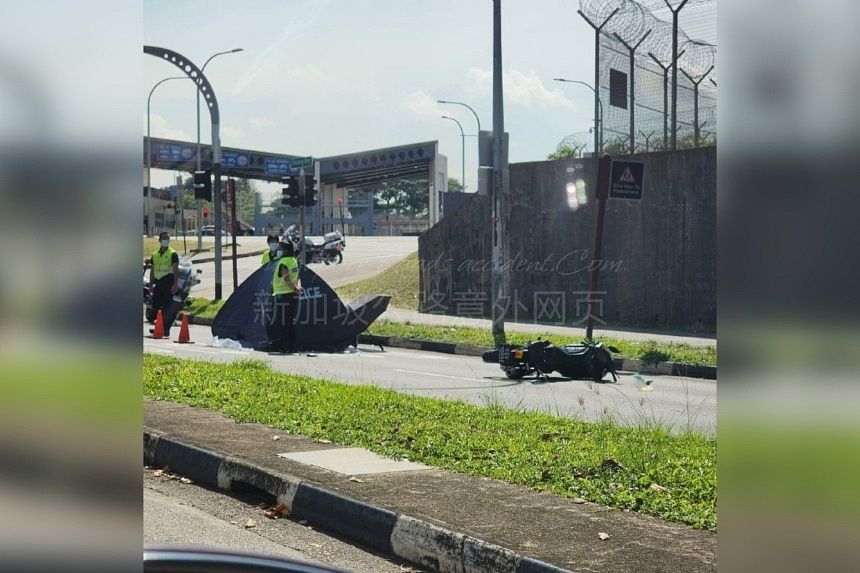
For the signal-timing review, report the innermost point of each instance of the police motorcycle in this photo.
(187, 279)
(329, 252)
(584, 361)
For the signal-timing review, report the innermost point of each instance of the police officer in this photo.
(285, 290)
(271, 254)
(163, 276)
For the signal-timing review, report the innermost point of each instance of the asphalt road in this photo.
(178, 513)
(677, 403)
(363, 257)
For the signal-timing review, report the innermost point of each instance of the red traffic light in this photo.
(205, 211)
(340, 201)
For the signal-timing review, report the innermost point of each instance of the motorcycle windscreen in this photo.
(323, 321)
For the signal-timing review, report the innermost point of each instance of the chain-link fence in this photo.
(637, 41)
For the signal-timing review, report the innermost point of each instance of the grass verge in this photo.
(399, 280)
(641, 469)
(649, 351)
(202, 307)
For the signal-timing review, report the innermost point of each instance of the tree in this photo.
(454, 185)
(616, 147)
(405, 197)
(563, 152)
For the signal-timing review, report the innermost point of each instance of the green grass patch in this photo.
(649, 351)
(399, 280)
(151, 244)
(642, 469)
(202, 307)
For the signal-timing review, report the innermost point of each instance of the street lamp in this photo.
(149, 155)
(200, 201)
(463, 147)
(598, 121)
(477, 119)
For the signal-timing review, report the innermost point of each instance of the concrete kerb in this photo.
(406, 537)
(621, 364)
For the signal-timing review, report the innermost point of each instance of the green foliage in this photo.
(616, 147)
(565, 152)
(640, 469)
(409, 197)
(454, 185)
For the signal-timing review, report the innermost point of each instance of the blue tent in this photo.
(323, 321)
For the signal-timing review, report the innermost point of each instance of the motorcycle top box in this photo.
(586, 361)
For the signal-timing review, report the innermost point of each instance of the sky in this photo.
(324, 77)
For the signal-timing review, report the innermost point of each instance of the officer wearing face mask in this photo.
(163, 275)
(272, 253)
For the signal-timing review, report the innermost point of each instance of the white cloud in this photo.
(525, 89)
(423, 105)
(159, 128)
(260, 122)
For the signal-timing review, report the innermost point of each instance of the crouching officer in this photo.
(285, 290)
(163, 276)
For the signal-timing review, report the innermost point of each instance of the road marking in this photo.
(415, 355)
(438, 375)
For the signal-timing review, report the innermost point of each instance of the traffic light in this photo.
(290, 191)
(203, 185)
(310, 190)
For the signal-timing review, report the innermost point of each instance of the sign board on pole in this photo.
(626, 179)
(286, 166)
(299, 162)
(171, 152)
(173, 192)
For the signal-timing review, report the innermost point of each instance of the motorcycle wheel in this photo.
(327, 261)
(339, 258)
(514, 373)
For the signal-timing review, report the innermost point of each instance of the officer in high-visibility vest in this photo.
(272, 253)
(163, 275)
(285, 291)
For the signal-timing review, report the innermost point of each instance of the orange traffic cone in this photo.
(158, 331)
(184, 336)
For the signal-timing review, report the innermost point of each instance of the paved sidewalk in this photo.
(534, 525)
(635, 335)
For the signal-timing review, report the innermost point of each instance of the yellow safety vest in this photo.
(268, 256)
(278, 284)
(162, 264)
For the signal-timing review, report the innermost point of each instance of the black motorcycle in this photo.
(585, 361)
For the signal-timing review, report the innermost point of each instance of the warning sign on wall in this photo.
(626, 179)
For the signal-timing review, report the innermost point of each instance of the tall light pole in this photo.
(149, 154)
(463, 148)
(598, 121)
(500, 168)
(200, 201)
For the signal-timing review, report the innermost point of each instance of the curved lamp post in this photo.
(598, 121)
(149, 155)
(205, 88)
(200, 201)
(463, 148)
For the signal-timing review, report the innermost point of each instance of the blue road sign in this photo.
(277, 165)
(173, 192)
(234, 160)
(171, 152)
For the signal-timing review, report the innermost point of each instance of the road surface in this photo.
(178, 513)
(676, 403)
(363, 258)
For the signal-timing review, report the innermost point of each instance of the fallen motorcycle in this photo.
(585, 361)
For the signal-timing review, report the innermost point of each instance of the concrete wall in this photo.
(659, 254)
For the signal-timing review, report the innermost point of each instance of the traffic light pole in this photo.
(302, 192)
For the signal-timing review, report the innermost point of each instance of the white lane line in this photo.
(437, 375)
(416, 355)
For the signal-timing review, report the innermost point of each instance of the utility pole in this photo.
(302, 191)
(499, 282)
